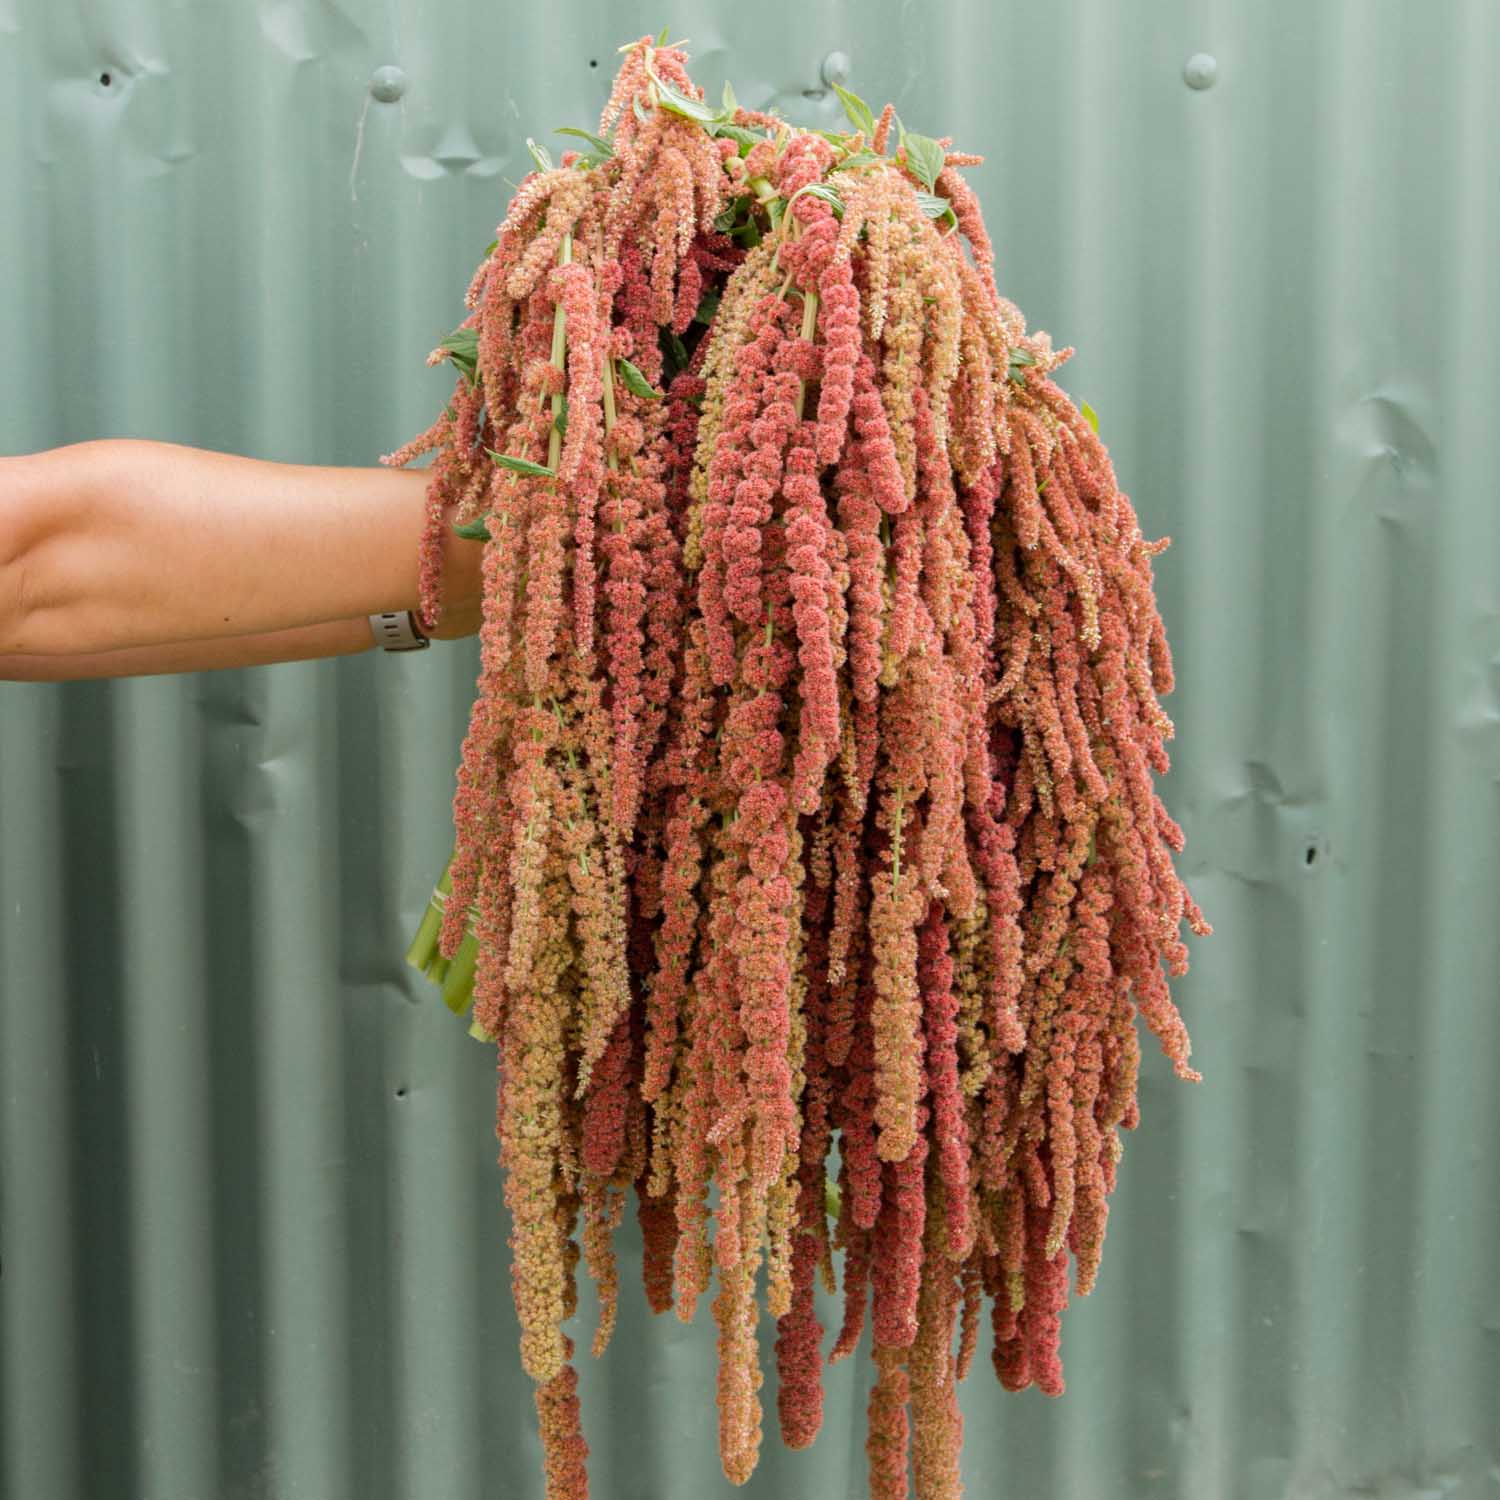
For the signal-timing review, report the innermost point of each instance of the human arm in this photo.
(123, 543)
(300, 643)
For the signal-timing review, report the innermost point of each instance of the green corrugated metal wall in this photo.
(250, 1221)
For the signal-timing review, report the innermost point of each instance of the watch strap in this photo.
(396, 630)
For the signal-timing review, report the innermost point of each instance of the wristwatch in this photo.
(396, 630)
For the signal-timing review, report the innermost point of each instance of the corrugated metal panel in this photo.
(251, 1227)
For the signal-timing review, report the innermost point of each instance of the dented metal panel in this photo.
(251, 1228)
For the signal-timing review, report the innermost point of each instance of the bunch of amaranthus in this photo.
(807, 799)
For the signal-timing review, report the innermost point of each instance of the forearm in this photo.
(301, 643)
(132, 543)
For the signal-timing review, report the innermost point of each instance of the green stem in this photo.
(458, 982)
(809, 323)
(559, 351)
(896, 839)
(423, 950)
(788, 226)
(609, 413)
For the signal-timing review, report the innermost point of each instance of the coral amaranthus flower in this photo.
(807, 801)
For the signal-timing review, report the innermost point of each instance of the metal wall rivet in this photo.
(1200, 71)
(388, 84)
(835, 68)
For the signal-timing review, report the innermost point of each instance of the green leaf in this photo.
(860, 115)
(858, 159)
(635, 382)
(473, 531)
(745, 135)
(681, 104)
(463, 349)
(730, 104)
(522, 465)
(602, 147)
(707, 308)
(540, 155)
(674, 354)
(661, 41)
(1090, 416)
(935, 206)
(1019, 359)
(826, 194)
(489, 249)
(924, 157)
(462, 343)
(560, 421)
